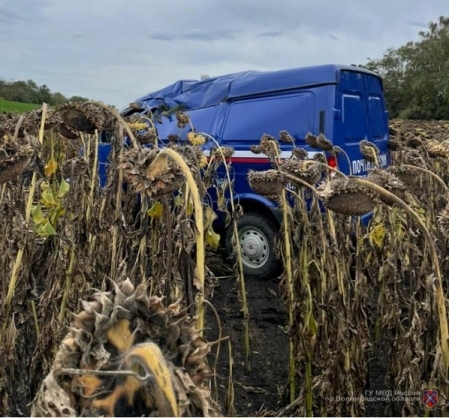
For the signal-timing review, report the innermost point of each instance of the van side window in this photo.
(354, 116)
(249, 119)
(377, 119)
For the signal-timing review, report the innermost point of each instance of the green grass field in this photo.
(7, 106)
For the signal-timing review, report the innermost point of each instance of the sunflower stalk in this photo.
(118, 207)
(338, 270)
(437, 281)
(35, 318)
(67, 283)
(245, 310)
(241, 276)
(323, 258)
(155, 232)
(290, 286)
(94, 177)
(199, 235)
(289, 277)
(334, 256)
(229, 400)
(18, 260)
(308, 377)
(168, 281)
(2, 195)
(430, 173)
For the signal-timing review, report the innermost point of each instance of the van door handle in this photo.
(337, 114)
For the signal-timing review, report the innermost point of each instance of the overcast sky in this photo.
(117, 50)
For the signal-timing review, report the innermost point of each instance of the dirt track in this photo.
(261, 390)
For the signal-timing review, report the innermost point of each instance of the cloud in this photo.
(418, 25)
(117, 51)
(194, 35)
(8, 16)
(272, 34)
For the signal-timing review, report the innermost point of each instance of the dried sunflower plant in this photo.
(360, 298)
(103, 287)
(127, 255)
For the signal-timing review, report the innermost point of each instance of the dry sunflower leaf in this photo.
(155, 212)
(51, 167)
(209, 216)
(212, 238)
(64, 188)
(377, 235)
(48, 198)
(46, 229)
(189, 208)
(37, 215)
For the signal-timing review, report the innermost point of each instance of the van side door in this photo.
(377, 116)
(351, 120)
(360, 114)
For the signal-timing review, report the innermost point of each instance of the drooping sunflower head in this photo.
(183, 119)
(128, 355)
(369, 150)
(86, 117)
(311, 140)
(137, 165)
(388, 181)
(267, 183)
(346, 197)
(195, 139)
(324, 143)
(269, 146)
(286, 138)
(414, 157)
(14, 161)
(308, 171)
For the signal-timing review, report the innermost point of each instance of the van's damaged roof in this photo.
(194, 94)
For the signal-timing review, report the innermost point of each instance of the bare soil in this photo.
(261, 391)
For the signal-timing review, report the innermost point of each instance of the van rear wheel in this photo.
(256, 237)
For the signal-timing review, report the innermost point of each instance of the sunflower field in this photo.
(108, 293)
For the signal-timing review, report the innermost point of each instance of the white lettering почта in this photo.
(362, 165)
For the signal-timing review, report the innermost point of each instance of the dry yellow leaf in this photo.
(377, 236)
(51, 167)
(212, 238)
(155, 212)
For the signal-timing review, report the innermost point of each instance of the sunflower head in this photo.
(128, 355)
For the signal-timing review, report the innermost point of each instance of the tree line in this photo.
(416, 75)
(29, 92)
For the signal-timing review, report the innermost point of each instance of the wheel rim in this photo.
(254, 246)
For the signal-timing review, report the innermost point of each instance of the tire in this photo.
(256, 232)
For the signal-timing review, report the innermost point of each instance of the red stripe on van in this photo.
(250, 160)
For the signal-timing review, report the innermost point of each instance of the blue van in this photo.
(345, 103)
